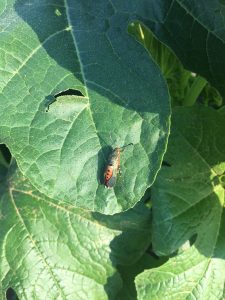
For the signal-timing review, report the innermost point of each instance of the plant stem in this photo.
(194, 91)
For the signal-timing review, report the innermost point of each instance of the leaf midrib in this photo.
(83, 76)
(198, 21)
(53, 276)
(30, 56)
(65, 209)
(197, 152)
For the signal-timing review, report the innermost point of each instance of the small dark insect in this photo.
(113, 167)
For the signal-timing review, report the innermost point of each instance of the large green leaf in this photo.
(188, 201)
(195, 31)
(182, 191)
(52, 250)
(128, 273)
(197, 273)
(135, 225)
(118, 97)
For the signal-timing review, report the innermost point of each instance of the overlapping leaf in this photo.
(118, 97)
(195, 31)
(195, 163)
(129, 273)
(188, 202)
(51, 250)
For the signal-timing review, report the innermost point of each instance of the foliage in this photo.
(79, 78)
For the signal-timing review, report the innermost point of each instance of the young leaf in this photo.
(119, 97)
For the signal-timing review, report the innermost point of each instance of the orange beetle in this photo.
(113, 167)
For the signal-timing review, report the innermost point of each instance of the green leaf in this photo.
(135, 225)
(196, 162)
(188, 200)
(197, 273)
(178, 79)
(118, 97)
(51, 250)
(185, 87)
(195, 31)
(129, 273)
(192, 275)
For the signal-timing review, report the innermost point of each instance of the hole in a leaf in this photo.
(166, 164)
(5, 152)
(69, 92)
(11, 294)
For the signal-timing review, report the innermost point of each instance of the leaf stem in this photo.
(194, 91)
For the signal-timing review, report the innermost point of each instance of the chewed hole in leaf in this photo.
(11, 294)
(69, 92)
